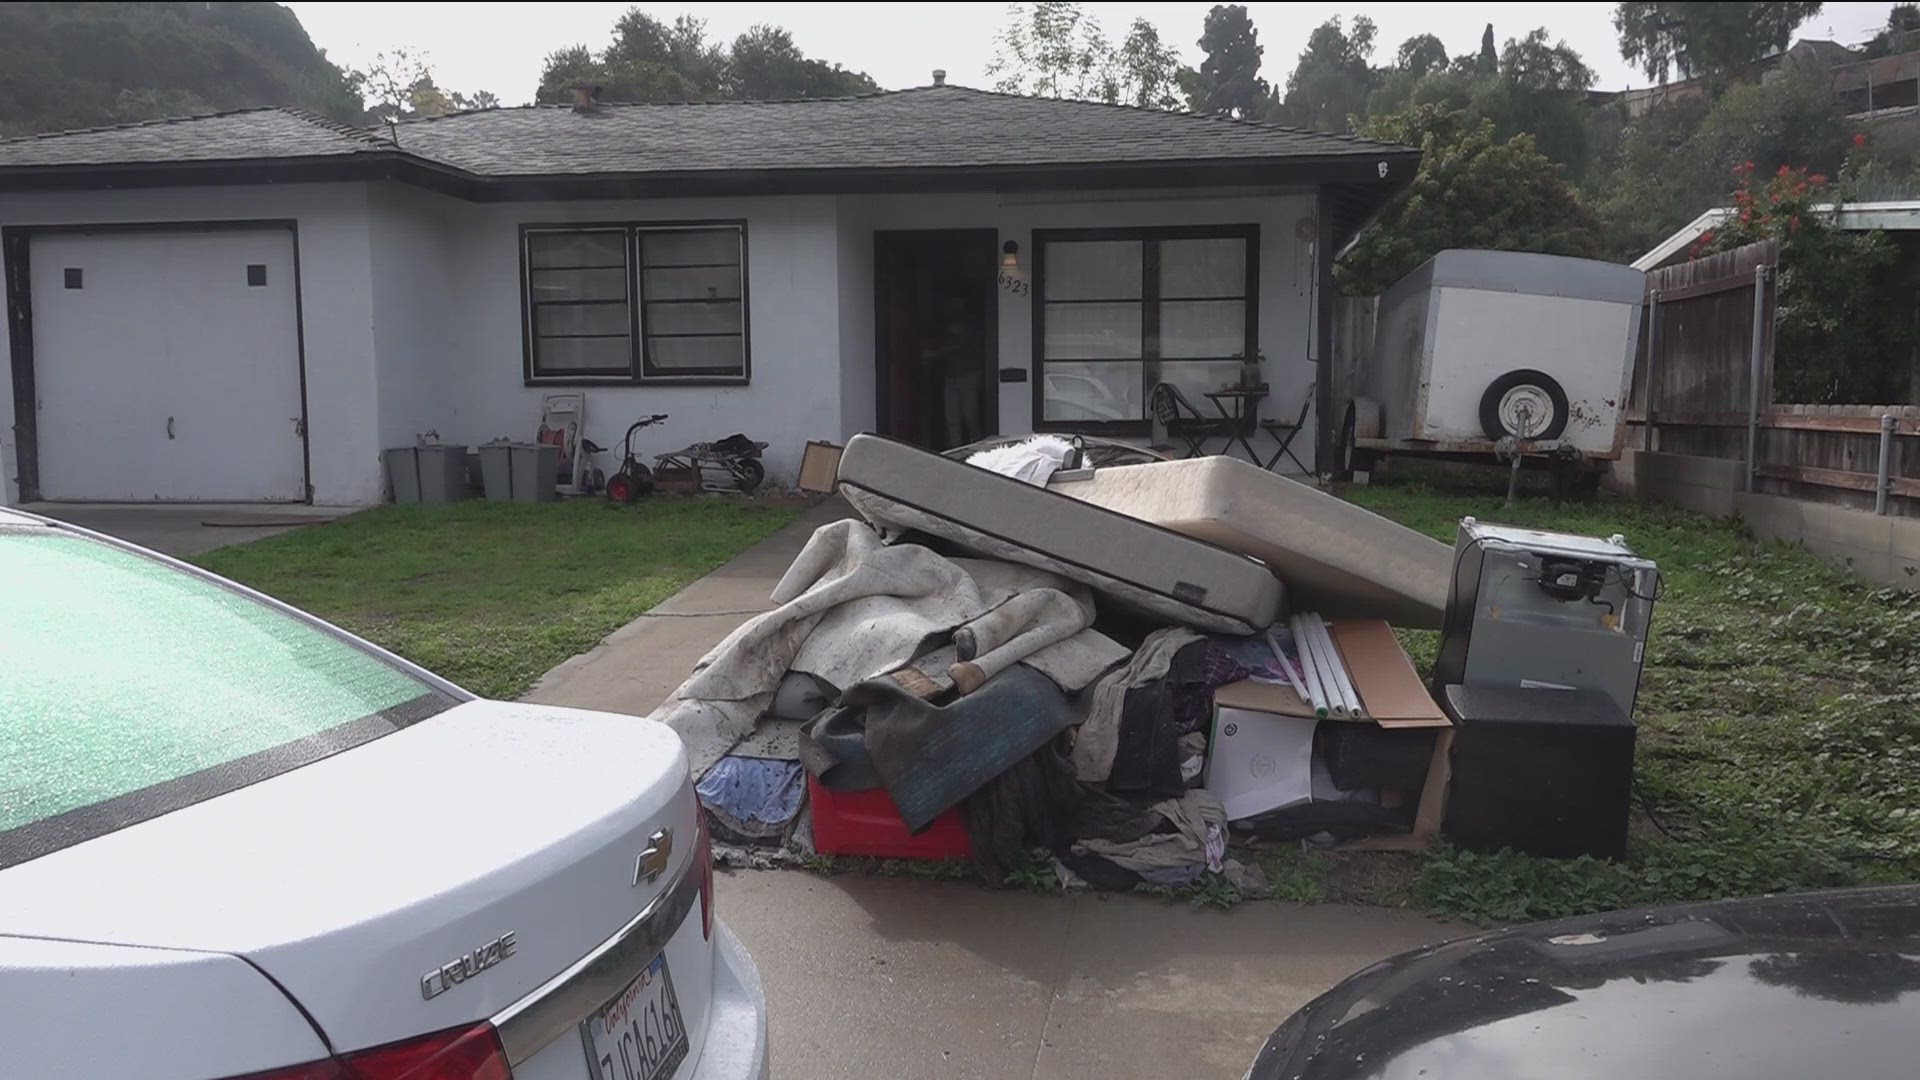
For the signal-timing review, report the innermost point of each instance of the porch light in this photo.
(1010, 257)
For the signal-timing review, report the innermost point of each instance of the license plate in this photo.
(639, 1034)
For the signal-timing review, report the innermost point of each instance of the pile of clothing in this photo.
(1051, 714)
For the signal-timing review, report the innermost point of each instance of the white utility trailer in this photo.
(1493, 354)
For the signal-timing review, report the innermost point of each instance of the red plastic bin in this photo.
(868, 823)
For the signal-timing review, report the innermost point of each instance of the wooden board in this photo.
(1389, 688)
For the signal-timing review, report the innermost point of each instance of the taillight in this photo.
(703, 860)
(466, 1053)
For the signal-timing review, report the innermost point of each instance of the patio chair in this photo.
(1172, 416)
(1284, 432)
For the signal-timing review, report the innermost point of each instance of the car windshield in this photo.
(129, 687)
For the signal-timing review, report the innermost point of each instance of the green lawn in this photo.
(1779, 714)
(1779, 722)
(491, 595)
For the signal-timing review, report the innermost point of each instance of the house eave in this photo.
(1368, 179)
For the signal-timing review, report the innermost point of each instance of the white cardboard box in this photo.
(1259, 761)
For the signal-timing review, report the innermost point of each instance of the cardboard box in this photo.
(1259, 761)
(1390, 690)
(819, 467)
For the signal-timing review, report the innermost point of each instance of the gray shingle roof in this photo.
(943, 126)
(228, 136)
(926, 127)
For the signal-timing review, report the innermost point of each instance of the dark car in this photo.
(1823, 984)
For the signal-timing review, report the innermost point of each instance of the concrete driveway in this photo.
(877, 977)
(186, 528)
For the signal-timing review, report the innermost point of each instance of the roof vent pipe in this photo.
(939, 76)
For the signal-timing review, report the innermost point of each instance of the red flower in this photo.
(1817, 179)
(1785, 170)
(1860, 139)
(1746, 217)
(1743, 167)
(1706, 238)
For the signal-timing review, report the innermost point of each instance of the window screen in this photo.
(577, 285)
(682, 288)
(692, 310)
(1120, 310)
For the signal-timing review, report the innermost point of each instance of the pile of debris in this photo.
(1005, 655)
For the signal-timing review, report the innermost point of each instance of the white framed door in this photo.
(167, 366)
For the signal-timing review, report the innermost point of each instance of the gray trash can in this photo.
(520, 471)
(434, 473)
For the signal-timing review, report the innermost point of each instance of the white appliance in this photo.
(1546, 610)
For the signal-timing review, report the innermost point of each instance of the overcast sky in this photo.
(500, 46)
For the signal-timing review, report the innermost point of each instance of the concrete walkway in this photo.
(638, 665)
(870, 977)
(187, 528)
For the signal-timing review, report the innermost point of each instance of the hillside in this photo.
(80, 65)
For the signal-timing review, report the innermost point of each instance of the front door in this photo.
(936, 353)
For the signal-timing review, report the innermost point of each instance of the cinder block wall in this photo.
(1881, 549)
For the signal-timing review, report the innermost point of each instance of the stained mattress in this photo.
(1336, 558)
(1133, 562)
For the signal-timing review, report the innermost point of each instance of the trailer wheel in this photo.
(1526, 404)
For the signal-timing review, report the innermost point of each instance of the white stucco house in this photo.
(250, 306)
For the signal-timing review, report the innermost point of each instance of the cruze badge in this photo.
(466, 966)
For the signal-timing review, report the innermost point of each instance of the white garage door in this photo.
(167, 366)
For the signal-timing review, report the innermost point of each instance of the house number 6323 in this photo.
(1013, 284)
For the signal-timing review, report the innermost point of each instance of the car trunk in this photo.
(378, 886)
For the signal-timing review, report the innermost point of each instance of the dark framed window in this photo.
(1117, 310)
(635, 302)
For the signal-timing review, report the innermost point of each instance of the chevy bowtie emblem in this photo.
(654, 857)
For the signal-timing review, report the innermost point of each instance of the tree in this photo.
(1845, 320)
(1537, 85)
(765, 63)
(1145, 73)
(1542, 89)
(1422, 54)
(647, 48)
(1488, 62)
(1471, 190)
(80, 65)
(1050, 50)
(1053, 49)
(1704, 38)
(1672, 163)
(1327, 90)
(649, 60)
(398, 84)
(1901, 33)
(1229, 82)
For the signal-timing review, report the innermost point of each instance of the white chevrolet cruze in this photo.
(236, 842)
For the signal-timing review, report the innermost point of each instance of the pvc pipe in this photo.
(1286, 665)
(1338, 664)
(1319, 679)
(1316, 692)
(1342, 680)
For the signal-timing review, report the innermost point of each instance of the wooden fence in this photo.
(1699, 389)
